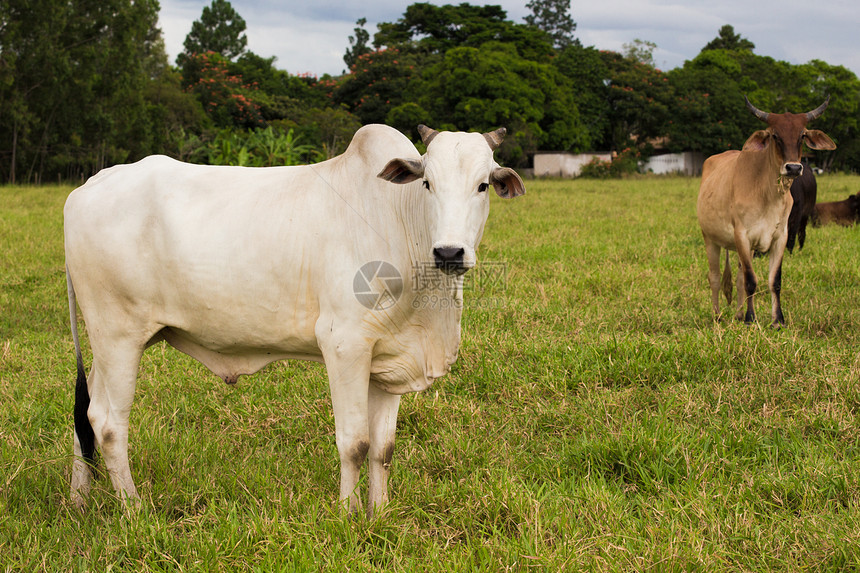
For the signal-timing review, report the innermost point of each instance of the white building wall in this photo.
(569, 165)
(564, 164)
(686, 163)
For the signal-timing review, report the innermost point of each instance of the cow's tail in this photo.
(83, 428)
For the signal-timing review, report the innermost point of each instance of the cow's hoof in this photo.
(79, 501)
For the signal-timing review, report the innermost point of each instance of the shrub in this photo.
(625, 163)
(260, 148)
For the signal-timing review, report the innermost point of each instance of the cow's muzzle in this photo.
(792, 169)
(449, 260)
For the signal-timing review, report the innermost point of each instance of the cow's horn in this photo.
(762, 115)
(810, 115)
(427, 134)
(494, 138)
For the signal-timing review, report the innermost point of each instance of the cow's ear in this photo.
(817, 139)
(757, 141)
(402, 170)
(507, 182)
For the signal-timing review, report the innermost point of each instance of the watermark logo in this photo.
(377, 285)
(485, 277)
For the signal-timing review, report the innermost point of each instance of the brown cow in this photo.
(744, 203)
(845, 212)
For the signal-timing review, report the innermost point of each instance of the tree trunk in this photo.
(14, 153)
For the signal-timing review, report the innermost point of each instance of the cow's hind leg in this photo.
(84, 442)
(726, 283)
(382, 408)
(111, 388)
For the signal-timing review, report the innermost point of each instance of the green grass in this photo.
(597, 418)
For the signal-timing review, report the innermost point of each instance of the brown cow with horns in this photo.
(744, 203)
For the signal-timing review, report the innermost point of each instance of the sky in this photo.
(311, 36)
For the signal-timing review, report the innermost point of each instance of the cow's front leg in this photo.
(774, 282)
(348, 366)
(746, 278)
(383, 409)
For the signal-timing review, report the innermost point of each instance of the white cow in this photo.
(239, 267)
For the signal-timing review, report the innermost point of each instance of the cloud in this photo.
(311, 36)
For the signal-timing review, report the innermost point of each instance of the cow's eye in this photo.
(483, 187)
(427, 185)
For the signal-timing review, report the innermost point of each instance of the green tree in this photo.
(357, 44)
(841, 121)
(330, 128)
(710, 91)
(75, 82)
(588, 77)
(389, 84)
(727, 39)
(220, 29)
(640, 99)
(553, 17)
(433, 29)
(491, 86)
(380, 81)
(175, 114)
(278, 93)
(709, 114)
(641, 51)
(407, 117)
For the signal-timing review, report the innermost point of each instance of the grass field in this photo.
(597, 418)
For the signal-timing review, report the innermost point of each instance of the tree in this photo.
(641, 51)
(220, 29)
(300, 103)
(481, 89)
(709, 113)
(75, 85)
(729, 40)
(553, 17)
(588, 78)
(380, 81)
(841, 121)
(433, 30)
(640, 99)
(357, 44)
(228, 99)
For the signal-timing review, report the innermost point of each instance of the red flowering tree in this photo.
(378, 82)
(227, 99)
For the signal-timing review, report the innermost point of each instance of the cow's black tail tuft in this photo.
(83, 428)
